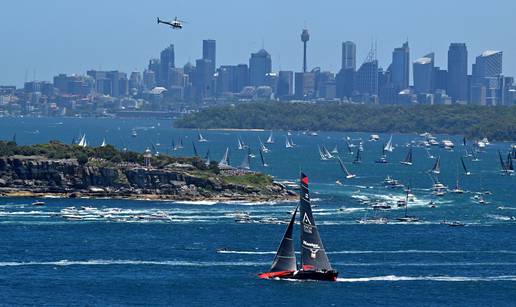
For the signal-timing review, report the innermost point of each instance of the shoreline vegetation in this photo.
(71, 171)
(475, 122)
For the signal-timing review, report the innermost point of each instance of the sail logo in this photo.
(311, 245)
(313, 253)
(307, 225)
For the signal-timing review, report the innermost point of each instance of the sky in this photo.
(41, 38)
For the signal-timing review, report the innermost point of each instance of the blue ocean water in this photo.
(201, 256)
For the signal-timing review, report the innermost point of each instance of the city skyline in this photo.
(62, 43)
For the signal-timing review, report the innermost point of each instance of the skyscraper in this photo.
(423, 74)
(400, 67)
(260, 64)
(349, 55)
(285, 84)
(167, 61)
(209, 51)
(305, 37)
(458, 72)
(487, 77)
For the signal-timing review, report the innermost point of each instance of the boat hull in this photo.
(301, 275)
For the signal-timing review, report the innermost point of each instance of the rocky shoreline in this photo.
(36, 176)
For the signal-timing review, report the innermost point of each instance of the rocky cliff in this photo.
(34, 175)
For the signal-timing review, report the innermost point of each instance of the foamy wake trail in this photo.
(394, 278)
(246, 252)
(100, 262)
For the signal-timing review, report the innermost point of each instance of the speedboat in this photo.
(374, 221)
(38, 203)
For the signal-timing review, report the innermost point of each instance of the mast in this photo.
(195, 149)
(313, 255)
(285, 259)
(464, 167)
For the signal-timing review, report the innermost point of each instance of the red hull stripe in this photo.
(275, 274)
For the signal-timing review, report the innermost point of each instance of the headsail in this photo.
(246, 162)
(200, 137)
(225, 159)
(437, 166)
(194, 149)
(313, 255)
(264, 164)
(388, 147)
(285, 259)
(270, 140)
(466, 172)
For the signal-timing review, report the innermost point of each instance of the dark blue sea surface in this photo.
(125, 253)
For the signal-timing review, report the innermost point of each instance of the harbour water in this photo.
(200, 256)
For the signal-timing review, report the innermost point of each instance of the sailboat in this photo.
(505, 168)
(241, 144)
(262, 146)
(134, 133)
(335, 150)
(264, 164)
(327, 153)
(194, 150)
(408, 158)
(358, 158)
(83, 142)
(466, 172)
(315, 264)
(436, 169)
(104, 144)
(388, 147)
(174, 148)
(321, 154)
(200, 137)
(207, 158)
(350, 151)
(383, 157)
(407, 218)
(246, 162)
(349, 175)
(288, 144)
(457, 189)
(270, 140)
(510, 166)
(225, 159)
(428, 154)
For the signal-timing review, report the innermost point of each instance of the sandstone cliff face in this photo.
(38, 175)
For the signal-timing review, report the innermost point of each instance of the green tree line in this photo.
(496, 123)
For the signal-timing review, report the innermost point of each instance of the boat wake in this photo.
(394, 278)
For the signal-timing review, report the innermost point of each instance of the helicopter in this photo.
(174, 24)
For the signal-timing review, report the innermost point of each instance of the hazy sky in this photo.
(47, 37)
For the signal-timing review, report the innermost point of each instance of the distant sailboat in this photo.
(408, 158)
(383, 157)
(348, 145)
(315, 264)
(200, 137)
(194, 149)
(502, 163)
(104, 144)
(428, 154)
(436, 169)
(174, 148)
(466, 172)
(246, 162)
(83, 142)
(407, 218)
(288, 143)
(335, 150)
(510, 166)
(348, 174)
(264, 164)
(321, 154)
(388, 147)
(262, 146)
(134, 133)
(326, 152)
(180, 143)
(358, 157)
(270, 140)
(457, 189)
(241, 144)
(225, 159)
(207, 158)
